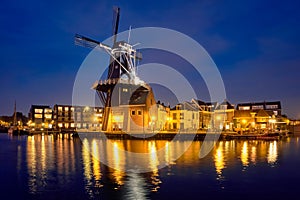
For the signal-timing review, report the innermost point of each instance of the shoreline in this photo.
(167, 135)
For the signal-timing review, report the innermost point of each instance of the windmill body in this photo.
(128, 101)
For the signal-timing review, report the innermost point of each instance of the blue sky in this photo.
(255, 45)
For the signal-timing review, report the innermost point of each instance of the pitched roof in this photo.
(263, 113)
(225, 102)
(242, 113)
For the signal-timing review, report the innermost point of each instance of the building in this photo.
(273, 107)
(88, 118)
(184, 117)
(223, 116)
(259, 117)
(133, 109)
(80, 118)
(40, 117)
(206, 111)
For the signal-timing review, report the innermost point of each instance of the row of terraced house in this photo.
(195, 115)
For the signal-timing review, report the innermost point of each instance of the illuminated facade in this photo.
(184, 117)
(40, 117)
(206, 110)
(133, 109)
(80, 118)
(223, 116)
(259, 117)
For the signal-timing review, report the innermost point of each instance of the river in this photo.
(49, 167)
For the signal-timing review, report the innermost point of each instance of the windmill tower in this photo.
(122, 86)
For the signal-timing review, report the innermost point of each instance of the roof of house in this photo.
(225, 102)
(263, 113)
(186, 106)
(242, 113)
(264, 104)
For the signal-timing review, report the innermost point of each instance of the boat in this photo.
(16, 129)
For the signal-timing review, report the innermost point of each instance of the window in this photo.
(38, 110)
(48, 116)
(59, 108)
(181, 115)
(244, 107)
(139, 112)
(125, 90)
(257, 107)
(38, 116)
(223, 107)
(271, 106)
(174, 116)
(133, 112)
(48, 110)
(66, 109)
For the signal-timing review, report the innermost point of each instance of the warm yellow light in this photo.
(86, 108)
(244, 121)
(152, 118)
(117, 118)
(95, 119)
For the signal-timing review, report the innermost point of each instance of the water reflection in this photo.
(244, 154)
(48, 160)
(58, 161)
(249, 152)
(272, 153)
(219, 159)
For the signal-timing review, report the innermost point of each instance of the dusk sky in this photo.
(255, 45)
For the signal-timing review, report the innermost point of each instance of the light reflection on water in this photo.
(54, 163)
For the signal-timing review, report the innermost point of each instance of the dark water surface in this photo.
(48, 167)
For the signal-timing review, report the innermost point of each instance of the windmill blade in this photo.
(87, 42)
(116, 18)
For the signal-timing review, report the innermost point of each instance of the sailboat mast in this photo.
(15, 114)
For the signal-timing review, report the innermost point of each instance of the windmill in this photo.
(121, 70)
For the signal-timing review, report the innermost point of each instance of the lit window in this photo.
(244, 107)
(271, 106)
(223, 107)
(60, 125)
(66, 109)
(38, 110)
(38, 116)
(257, 107)
(125, 90)
(48, 116)
(59, 108)
(48, 110)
